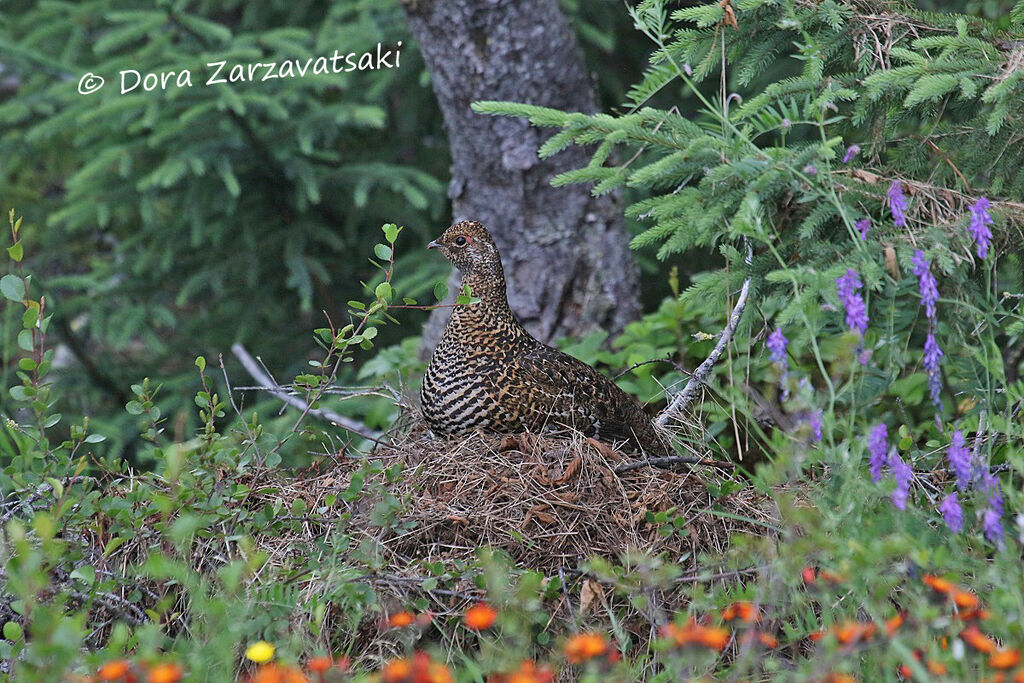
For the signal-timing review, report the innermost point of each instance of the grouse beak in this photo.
(433, 245)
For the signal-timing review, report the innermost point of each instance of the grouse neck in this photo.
(492, 307)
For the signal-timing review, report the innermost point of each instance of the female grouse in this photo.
(489, 373)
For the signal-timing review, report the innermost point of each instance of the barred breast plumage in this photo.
(489, 373)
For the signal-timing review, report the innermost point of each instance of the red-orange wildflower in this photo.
(169, 672)
(744, 611)
(977, 614)
(850, 632)
(832, 577)
(937, 583)
(528, 672)
(1004, 659)
(583, 646)
(480, 616)
(892, 625)
(765, 639)
(836, 677)
(401, 619)
(419, 668)
(277, 673)
(319, 665)
(935, 667)
(965, 599)
(809, 574)
(116, 670)
(973, 636)
(712, 637)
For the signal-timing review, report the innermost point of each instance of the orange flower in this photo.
(744, 611)
(401, 619)
(809, 574)
(116, 670)
(937, 584)
(275, 673)
(835, 677)
(832, 577)
(583, 646)
(977, 614)
(978, 640)
(767, 639)
(892, 625)
(715, 638)
(852, 631)
(965, 599)
(419, 669)
(1004, 659)
(319, 665)
(165, 673)
(396, 670)
(528, 672)
(480, 616)
(935, 668)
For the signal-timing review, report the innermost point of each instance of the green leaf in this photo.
(85, 573)
(382, 251)
(441, 291)
(27, 364)
(19, 393)
(383, 291)
(16, 251)
(390, 232)
(13, 631)
(201, 363)
(95, 438)
(12, 287)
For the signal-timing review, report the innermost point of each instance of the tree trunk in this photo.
(565, 253)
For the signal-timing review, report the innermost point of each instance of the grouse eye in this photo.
(460, 241)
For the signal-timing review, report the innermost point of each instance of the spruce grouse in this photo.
(489, 373)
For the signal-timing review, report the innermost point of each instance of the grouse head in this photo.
(469, 247)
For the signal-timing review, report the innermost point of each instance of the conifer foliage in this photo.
(832, 138)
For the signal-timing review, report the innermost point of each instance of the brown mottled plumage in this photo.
(489, 373)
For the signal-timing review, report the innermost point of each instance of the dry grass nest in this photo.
(549, 502)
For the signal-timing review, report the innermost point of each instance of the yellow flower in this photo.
(260, 652)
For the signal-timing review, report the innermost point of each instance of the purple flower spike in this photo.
(960, 460)
(904, 474)
(864, 224)
(878, 447)
(952, 513)
(816, 425)
(992, 524)
(980, 220)
(856, 311)
(925, 283)
(851, 152)
(776, 345)
(897, 204)
(932, 357)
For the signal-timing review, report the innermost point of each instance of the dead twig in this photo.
(257, 373)
(682, 400)
(672, 460)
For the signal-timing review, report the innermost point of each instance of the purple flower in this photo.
(851, 152)
(926, 283)
(856, 311)
(897, 204)
(776, 345)
(816, 425)
(980, 220)
(960, 460)
(864, 224)
(904, 474)
(992, 524)
(811, 169)
(878, 447)
(932, 356)
(952, 513)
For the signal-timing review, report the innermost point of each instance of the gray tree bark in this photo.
(565, 252)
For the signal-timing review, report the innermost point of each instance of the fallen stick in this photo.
(257, 373)
(682, 400)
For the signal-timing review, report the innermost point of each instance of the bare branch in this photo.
(261, 377)
(682, 400)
